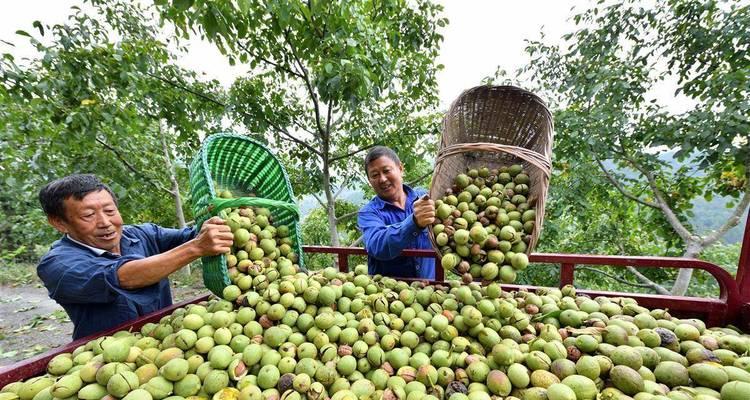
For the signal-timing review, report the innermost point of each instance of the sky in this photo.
(481, 36)
(484, 34)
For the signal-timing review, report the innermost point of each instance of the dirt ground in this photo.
(32, 323)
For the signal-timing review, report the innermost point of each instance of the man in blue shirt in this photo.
(104, 273)
(395, 219)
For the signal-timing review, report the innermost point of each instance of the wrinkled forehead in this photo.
(96, 199)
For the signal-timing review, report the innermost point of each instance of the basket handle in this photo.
(218, 204)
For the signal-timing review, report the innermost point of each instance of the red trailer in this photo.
(731, 307)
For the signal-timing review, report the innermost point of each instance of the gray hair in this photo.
(53, 195)
(381, 151)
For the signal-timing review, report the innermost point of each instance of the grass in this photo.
(18, 274)
(182, 279)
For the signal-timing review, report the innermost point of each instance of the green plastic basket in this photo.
(245, 167)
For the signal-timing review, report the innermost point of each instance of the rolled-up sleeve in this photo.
(80, 280)
(168, 238)
(385, 242)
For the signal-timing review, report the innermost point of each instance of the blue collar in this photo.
(410, 197)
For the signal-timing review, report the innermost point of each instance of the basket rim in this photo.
(223, 135)
(513, 88)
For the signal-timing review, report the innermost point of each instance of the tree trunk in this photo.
(695, 244)
(330, 205)
(175, 193)
(682, 282)
(333, 229)
(327, 189)
(177, 199)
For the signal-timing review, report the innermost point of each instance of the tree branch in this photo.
(346, 216)
(736, 216)
(294, 139)
(642, 278)
(671, 217)
(612, 276)
(342, 187)
(417, 180)
(362, 175)
(282, 131)
(269, 62)
(329, 116)
(658, 288)
(303, 128)
(621, 189)
(320, 201)
(338, 192)
(308, 84)
(358, 241)
(341, 157)
(191, 91)
(132, 168)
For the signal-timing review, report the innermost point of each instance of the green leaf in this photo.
(305, 11)
(39, 26)
(244, 6)
(9, 354)
(182, 5)
(209, 23)
(551, 314)
(22, 33)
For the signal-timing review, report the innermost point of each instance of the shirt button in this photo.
(415, 234)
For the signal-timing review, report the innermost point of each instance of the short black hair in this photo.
(53, 195)
(381, 151)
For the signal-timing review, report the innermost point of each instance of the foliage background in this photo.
(105, 95)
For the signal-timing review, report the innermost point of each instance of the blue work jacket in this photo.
(84, 281)
(388, 230)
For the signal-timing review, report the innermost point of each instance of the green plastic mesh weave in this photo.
(244, 167)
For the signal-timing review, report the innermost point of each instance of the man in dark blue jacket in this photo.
(104, 273)
(395, 219)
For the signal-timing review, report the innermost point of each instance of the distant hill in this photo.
(708, 215)
(308, 203)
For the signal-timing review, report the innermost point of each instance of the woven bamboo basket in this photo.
(496, 126)
(245, 167)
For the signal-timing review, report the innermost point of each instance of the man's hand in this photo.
(424, 211)
(214, 238)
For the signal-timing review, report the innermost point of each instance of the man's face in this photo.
(386, 178)
(93, 220)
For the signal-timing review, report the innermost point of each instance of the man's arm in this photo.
(169, 238)
(213, 239)
(385, 242)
